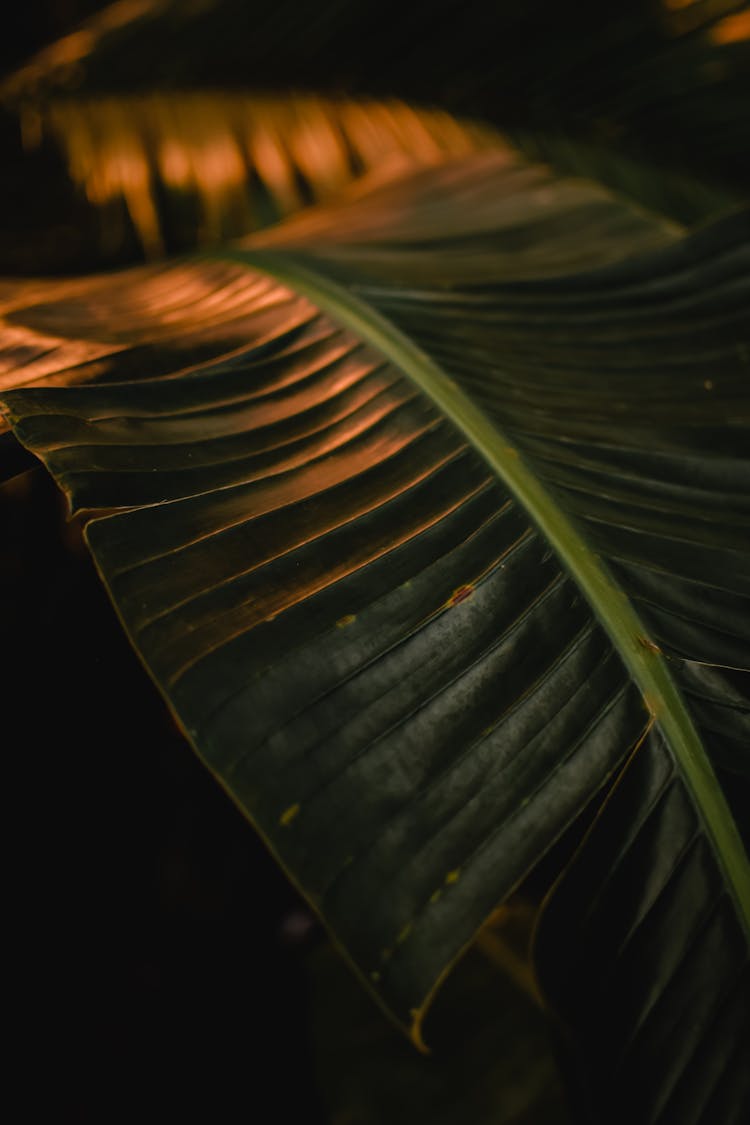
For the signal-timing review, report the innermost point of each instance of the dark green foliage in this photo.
(415, 628)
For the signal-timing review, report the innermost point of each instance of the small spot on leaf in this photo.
(347, 620)
(288, 815)
(404, 933)
(460, 595)
(453, 876)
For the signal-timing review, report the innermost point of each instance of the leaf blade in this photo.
(469, 704)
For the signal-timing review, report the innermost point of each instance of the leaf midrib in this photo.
(613, 609)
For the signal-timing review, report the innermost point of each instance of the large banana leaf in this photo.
(457, 538)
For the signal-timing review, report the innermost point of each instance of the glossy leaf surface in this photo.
(149, 321)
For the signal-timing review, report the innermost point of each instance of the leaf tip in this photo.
(415, 1031)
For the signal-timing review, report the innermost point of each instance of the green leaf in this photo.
(419, 573)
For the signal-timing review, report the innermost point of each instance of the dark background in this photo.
(160, 953)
